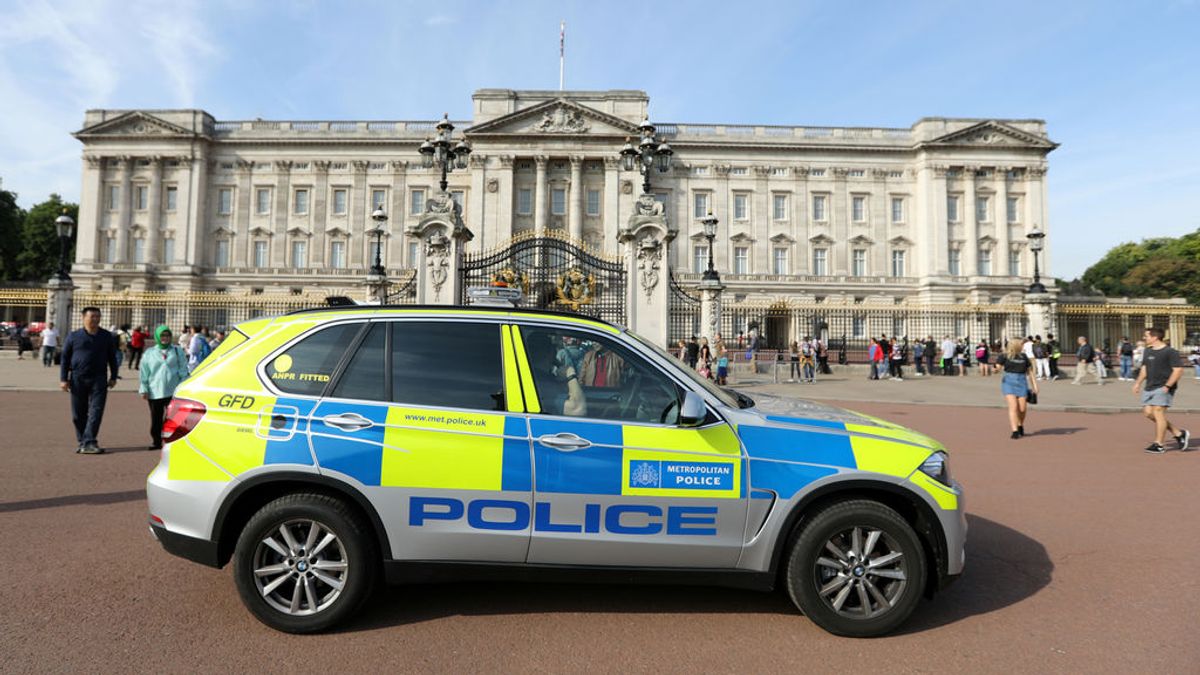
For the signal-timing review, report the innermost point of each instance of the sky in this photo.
(1118, 83)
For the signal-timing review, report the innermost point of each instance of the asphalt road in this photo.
(1081, 558)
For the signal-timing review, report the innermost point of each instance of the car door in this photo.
(616, 480)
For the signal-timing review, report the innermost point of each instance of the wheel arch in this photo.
(915, 510)
(247, 498)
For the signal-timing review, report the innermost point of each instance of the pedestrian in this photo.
(794, 358)
(1041, 358)
(808, 357)
(137, 343)
(899, 355)
(49, 344)
(1055, 355)
(1194, 358)
(704, 360)
(693, 352)
(1084, 356)
(930, 354)
(165, 367)
(1100, 358)
(919, 357)
(197, 349)
(1139, 350)
(24, 344)
(947, 355)
(873, 353)
(122, 335)
(722, 365)
(1016, 384)
(1162, 367)
(961, 360)
(87, 353)
(981, 357)
(219, 336)
(1125, 353)
(822, 350)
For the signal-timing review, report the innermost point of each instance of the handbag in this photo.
(1031, 398)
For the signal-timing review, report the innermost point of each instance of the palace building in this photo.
(176, 200)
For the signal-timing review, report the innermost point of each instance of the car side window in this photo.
(306, 367)
(582, 375)
(447, 364)
(364, 376)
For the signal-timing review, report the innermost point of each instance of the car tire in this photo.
(856, 569)
(298, 581)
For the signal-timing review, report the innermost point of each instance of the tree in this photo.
(11, 219)
(1163, 267)
(38, 258)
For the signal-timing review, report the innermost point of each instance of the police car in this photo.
(325, 450)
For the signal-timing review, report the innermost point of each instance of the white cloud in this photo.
(440, 20)
(178, 36)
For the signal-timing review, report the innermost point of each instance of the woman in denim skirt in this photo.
(1016, 384)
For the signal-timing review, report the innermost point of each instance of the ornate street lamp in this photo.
(710, 233)
(649, 152)
(444, 152)
(65, 225)
(1035, 244)
(380, 218)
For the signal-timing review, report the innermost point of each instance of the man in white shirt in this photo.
(1027, 348)
(49, 345)
(948, 346)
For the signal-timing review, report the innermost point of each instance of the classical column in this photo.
(1002, 252)
(242, 209)
(760, 219)
(359, 213)
(196, 197)
(612, 202)
(1035, 194)
(91, 210)
(839, 219)
(940, 228)
(318, 213)
(539, 197)
(504, 199)
(125, 210)
(474, 206)
(283, 202)
(396, 214)
(574, 199)
(154, 227)
(970, 259)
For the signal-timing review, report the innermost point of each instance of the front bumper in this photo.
(202, 551)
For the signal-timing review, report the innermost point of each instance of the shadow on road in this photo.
(1057, 431)
(1004, 567)
(73, 500)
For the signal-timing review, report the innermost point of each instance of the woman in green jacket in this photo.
(162, 369)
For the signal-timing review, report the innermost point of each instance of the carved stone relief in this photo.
(649, 255)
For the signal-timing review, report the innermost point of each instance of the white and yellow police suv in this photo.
(325, 449)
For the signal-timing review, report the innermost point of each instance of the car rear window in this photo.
(305, 368)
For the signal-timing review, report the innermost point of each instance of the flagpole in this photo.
(562, 44)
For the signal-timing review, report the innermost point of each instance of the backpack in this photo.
(1039, 350)
(980, 352)
(204, 351)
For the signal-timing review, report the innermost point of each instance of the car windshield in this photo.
(721, 395)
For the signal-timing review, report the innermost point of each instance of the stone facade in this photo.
(938, 212)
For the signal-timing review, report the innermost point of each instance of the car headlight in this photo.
(937, 467)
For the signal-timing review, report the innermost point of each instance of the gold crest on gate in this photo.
(575, 289)
(510, 278)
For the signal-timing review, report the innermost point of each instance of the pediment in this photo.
(337, 232)
(557, 117)
(821, 239)
(741, 238)
(260, 232)
(782, 238)
(862, 240)
(223, 231)
(134, 123)
(299, 232)
(900, 242)
(991, 133)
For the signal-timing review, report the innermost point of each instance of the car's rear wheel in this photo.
(856, 569)
(304, 562)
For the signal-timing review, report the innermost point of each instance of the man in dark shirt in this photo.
(693, 352)
(1161, 369)
(1084, 356)
(86, 354)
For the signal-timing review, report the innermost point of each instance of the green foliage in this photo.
(11, 219)
(1163, 267)
(38, 258)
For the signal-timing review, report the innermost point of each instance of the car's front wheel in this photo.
(856, 569)
(304, 562)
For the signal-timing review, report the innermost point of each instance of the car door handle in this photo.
(348, 421)
(564, 442)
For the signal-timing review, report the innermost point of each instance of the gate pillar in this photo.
(60, 305)
(710, 309)
(1039, 312)
(443, 235)
(643, 243)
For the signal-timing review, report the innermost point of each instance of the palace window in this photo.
(858, 327)
(414, 253)
(740, 207)
(700, 204)
(820, 268)
(955, 262)
(299, 254)
(779, 210)
(373, 249)
(699, 259)
(858, 208)
(260, 254)
(114, 197)
(262, 201)
(459, 197)
(139, 250)
(301, 203)
(898, 263)
(141, 197)
(858, 262)
(558, 202)
(339, 202)
(985, 262)
(171, 197)
(168, 252)
(1014, 264)
(1013, 210)
(779, 260)
(983, 214)
(741, 260)
(222, 257)
(416, 205)
(225, 201)
(337, 254)
(897, 209)
(110, 250)
(818, 203)
(378, 199)
(952, 208)
(524, 202)
(593, 202)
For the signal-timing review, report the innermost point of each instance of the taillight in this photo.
(182, 416)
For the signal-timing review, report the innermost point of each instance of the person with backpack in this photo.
(1055, 354)
(198, 348)
(1041, 357)
(981, 357)
(1125, 351)
(1084, 357)
(137, 343)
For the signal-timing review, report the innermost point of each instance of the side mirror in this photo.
(693, 411)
